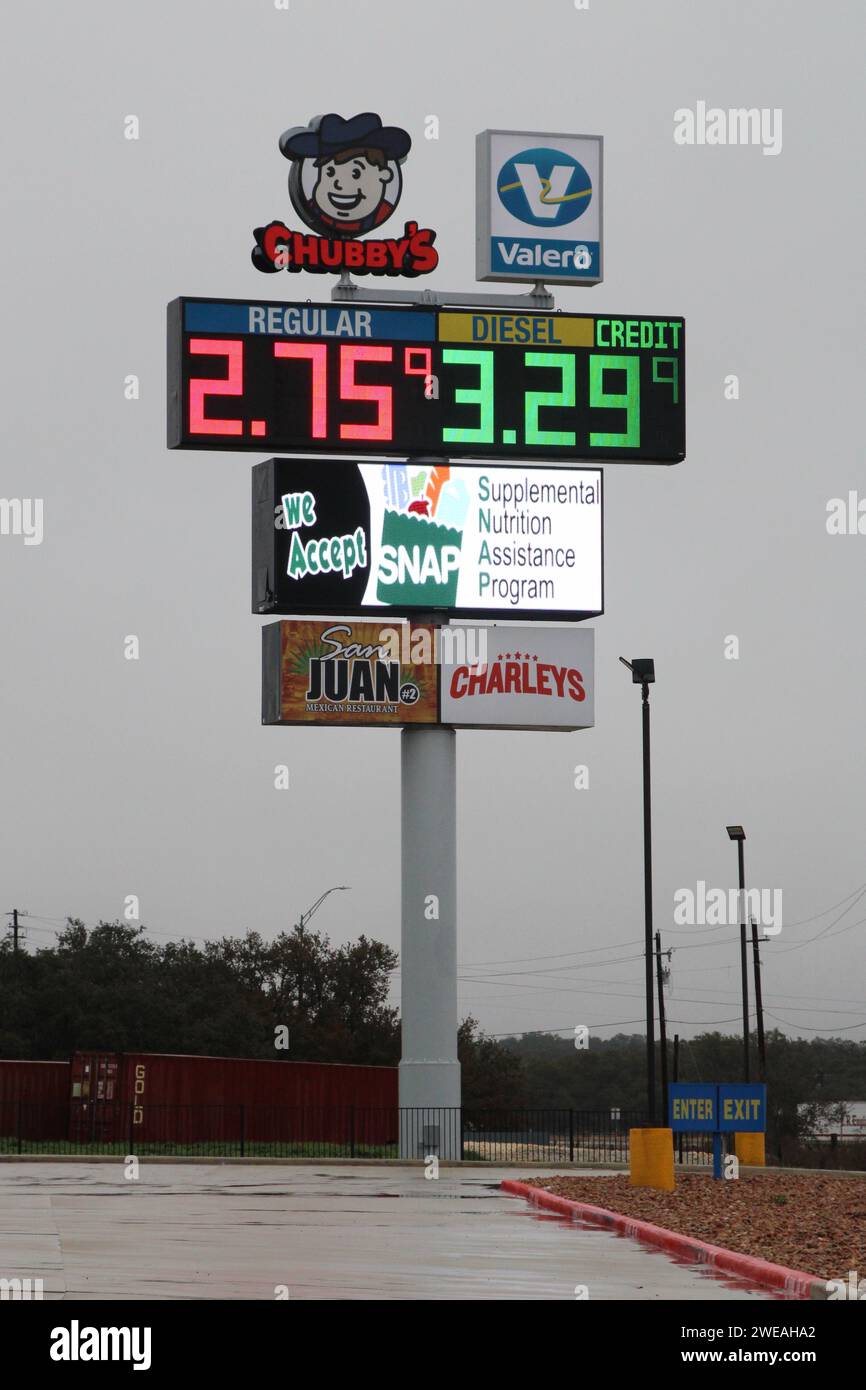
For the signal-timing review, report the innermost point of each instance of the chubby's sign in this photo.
(363, 538)
(345, 181)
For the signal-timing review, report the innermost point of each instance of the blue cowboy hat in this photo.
(327, 136)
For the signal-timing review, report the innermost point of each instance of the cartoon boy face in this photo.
(351, 186)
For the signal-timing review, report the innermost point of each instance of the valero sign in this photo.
(345, 181)
(539, 213)
(333, 536)
(346, 672)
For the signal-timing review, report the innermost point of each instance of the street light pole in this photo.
(643, 674)
(302, 922)
(648, 903)
(736, 832)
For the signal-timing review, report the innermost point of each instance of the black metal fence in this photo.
(263, 1131)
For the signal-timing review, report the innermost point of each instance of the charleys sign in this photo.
(346, 672)
(333, 536)
(532, 678)
(345, 181)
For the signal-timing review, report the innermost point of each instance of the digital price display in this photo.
(302, 378)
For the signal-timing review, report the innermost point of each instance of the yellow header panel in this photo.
(526, 329)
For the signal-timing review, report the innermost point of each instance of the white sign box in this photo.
(539, 207)
(532, 678)
(524, 541)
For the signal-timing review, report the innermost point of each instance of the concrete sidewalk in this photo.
(318, 1232)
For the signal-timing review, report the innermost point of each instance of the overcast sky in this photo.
(155, 777)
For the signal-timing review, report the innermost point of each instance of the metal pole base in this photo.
(429, 1076)
(430, 1130)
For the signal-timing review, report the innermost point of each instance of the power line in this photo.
(569, 1028)
(618, 1023)
(560, 955)
(804, 921)
(858, 892)
(608, 994)
(694, 1022)
(850, 1028)
(706, 945)
(552, 970)
(786, 950)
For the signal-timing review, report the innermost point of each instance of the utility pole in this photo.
(663, 1041)
(759, 1004)
(15, 914)
(302, 922)
(676, 1078)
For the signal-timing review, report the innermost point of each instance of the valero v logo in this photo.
(543, 187)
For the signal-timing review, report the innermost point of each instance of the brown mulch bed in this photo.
(811, 1222)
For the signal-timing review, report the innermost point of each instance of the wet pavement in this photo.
(234, 1231)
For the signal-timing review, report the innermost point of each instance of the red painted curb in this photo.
(792, 1282)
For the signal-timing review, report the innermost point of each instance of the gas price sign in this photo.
(306, 378)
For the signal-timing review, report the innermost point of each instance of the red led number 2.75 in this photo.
(232, 349)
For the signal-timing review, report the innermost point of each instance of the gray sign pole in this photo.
(430, 1121)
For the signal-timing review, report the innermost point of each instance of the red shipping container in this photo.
(34, 1099)
(164, 1098)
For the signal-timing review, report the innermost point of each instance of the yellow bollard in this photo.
(749, 1149)
(651, 1158)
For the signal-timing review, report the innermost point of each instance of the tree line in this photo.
(112, 988)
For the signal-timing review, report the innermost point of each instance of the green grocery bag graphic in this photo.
(419, 562)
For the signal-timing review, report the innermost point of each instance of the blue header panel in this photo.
(309, 321)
